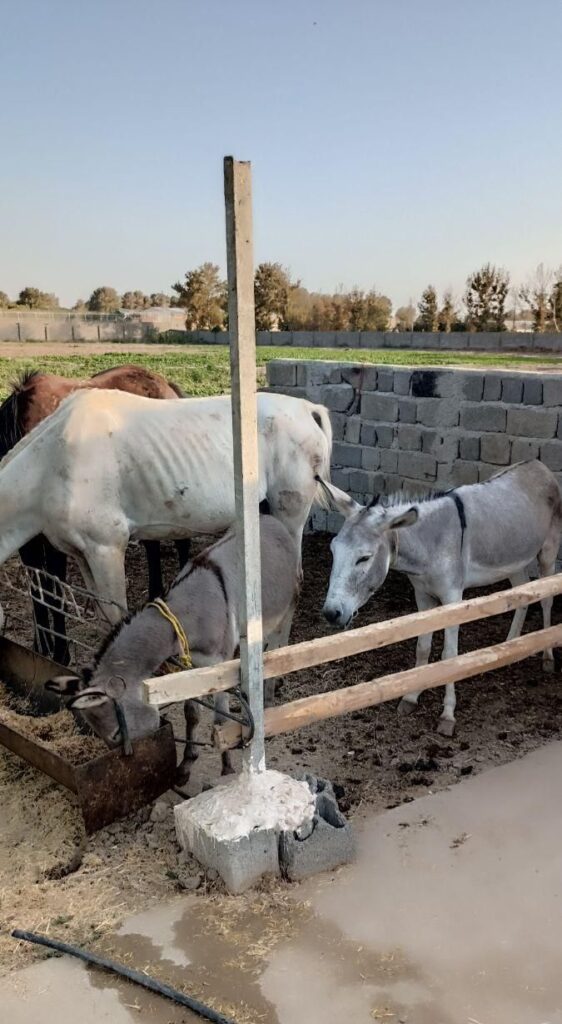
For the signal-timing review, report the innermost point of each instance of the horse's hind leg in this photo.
(183, 549)
(106, 566)
(154, 562)
(55, 562)
(32, 555)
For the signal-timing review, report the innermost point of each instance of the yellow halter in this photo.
(167, 613)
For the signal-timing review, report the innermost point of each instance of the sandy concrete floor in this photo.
(452, 915)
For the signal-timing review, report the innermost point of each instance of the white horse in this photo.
(109, 467)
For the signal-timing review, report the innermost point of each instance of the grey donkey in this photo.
(205, 597)
(471, 536)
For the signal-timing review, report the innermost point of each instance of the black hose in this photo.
(126, 972)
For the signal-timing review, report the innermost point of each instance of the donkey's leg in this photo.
(423, 651)
(278, 638)
(446, 724)
(154, 562)
(547, 566)
(520, 614)
(222, 703)
(191, 714)
(32, 556)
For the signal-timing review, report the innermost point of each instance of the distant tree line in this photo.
(488, 303)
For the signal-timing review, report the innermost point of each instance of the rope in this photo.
(167, 613)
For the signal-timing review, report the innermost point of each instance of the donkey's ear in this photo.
(89, 699)
(65, 686)
(404, 519)
(338, 499)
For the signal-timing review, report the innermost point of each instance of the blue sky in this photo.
(393, 142)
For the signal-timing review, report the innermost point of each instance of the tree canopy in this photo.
(104, 300)
(34, 298)
(203, 295)
(486, 292)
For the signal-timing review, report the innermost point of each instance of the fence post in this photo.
(241, 316)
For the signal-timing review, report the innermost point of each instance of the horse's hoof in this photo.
(446, 727)
(406, 707)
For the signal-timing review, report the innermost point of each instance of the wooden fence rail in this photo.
(298, 713)
(181, 686)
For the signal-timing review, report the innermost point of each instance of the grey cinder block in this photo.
(368, 433)
(409, 437)
(483, 417)
(464, 473)
(532, 391)
(552, 391)
(385, 435)
(346, 455)
(402, 382)
(492, 388)
(240, 862)
(370, 458)
(407, 410)
(496, 448)
(353, 429)
(322, 846)
(469, 448)
(512, 389)
(380, 407)
(337, 396)
(523, 450)
(385, 379)
(527, 422)
(281, 372)
(389, 460)
(551, 455)
(419, 465)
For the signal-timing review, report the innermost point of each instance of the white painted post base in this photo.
(235, 827)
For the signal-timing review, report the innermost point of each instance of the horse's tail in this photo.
(11, 413)
(321, 417)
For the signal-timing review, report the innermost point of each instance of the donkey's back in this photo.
(510, 517)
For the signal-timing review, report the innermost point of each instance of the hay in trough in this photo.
(58, 732)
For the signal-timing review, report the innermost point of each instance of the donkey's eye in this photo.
(364, 558)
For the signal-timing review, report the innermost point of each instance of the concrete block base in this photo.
(265, 823)
(325, 844)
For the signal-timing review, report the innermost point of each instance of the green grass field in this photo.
(201, 370)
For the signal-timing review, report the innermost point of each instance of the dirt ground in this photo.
(53, 879)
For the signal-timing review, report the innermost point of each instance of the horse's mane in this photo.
(12, 411)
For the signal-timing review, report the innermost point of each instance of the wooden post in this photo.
(242, 326)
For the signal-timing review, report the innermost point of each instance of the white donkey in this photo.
(471, 536)
(204, 599)
(108, 467)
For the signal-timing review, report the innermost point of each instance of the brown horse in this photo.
(34, 397)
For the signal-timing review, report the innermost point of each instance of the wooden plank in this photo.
(242, 326)
(197, 682)
(303, 712)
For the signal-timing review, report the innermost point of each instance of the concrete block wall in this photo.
(420, 429)
(507, 341)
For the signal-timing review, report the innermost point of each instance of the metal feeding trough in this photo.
(108, 787)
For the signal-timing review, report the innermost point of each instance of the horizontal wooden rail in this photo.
(180, 686)
(299, 713)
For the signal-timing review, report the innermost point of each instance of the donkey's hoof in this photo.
(227, 769)
(406, 707)
(446, 727)
(549, 666)
(183, 772)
